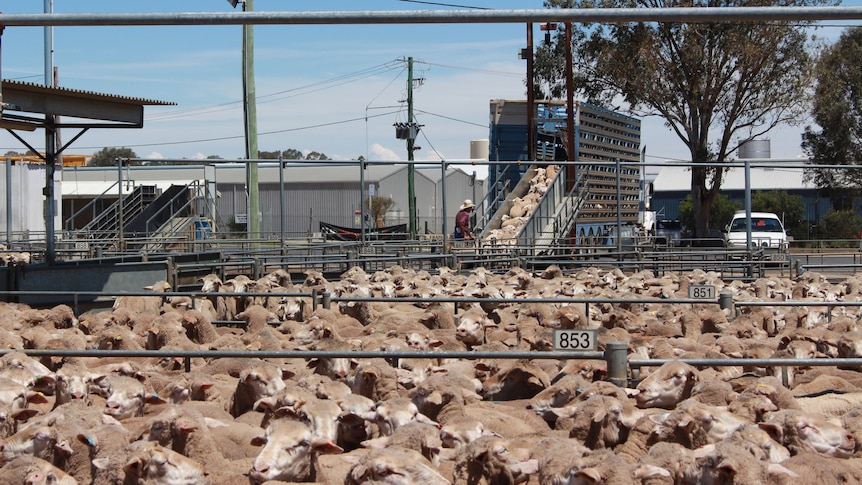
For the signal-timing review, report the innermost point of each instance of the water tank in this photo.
(479, 149)
(755, 149)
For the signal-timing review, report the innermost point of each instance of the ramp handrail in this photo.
(555, 213)
(491, 202)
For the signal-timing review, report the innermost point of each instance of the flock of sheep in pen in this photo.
(433, 420)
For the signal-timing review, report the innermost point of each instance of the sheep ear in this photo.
(775, 432)
(325, 445)
(658, 418)
(264, 404)
(376, 443)
(134, 466)
(728, 467)
(153, 399)
(25, 414)
(650, 471)
(778, 470)
(592, 474)
(215, 423)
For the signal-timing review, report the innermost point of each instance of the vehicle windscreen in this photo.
(758, 224)
(670, 225)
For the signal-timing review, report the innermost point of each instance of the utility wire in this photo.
(293, 92)
(220, 138)
(473, 69)
(451, 119)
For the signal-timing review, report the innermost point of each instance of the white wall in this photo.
(26, 213)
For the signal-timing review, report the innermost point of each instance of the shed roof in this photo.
(678, 178)
(30, 99)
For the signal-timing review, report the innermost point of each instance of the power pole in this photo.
(411, 170)
(249, 105)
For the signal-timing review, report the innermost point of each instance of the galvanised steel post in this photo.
(616, 354)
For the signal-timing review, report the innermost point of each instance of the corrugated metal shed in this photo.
(313, 192)
(674, 179)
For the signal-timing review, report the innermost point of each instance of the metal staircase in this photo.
(149, 222)
(107, 224)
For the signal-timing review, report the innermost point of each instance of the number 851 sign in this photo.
(583, 340)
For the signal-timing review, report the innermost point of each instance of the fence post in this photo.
(616, 356)
(325, 300)
(725, 302)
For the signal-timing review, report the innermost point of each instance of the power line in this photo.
(473, 69)
(452, 119)
(293, 92)
(221, 138)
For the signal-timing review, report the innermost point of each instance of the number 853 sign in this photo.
(581, 340)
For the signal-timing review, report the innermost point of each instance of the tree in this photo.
(837, 108)
(379, 207)
(838, 225)
(720, 216)
(107, 157)
(292, 154)
(789, 208)
(316, 156)
(716, 85)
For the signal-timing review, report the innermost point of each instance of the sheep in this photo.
(670, 384)
(149, 462)
(800, 431)
(396, 412)
(417, 436)
(125, 396)
(40, 441)
(199, 327)
(34, 471)
(520, 380)
(254, 383)
(490, 460)
(379, 464)
(599, 421)
(289, 452)
(144, 304)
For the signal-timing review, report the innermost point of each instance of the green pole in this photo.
(250, 111)
(411, 172)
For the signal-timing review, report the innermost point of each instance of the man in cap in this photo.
(462, 221)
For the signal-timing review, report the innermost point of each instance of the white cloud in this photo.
(199, 156)
(379, 152)
(155, 155)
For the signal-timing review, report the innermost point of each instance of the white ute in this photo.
(767, 233)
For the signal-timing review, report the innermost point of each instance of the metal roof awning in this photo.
(93, 188)
(22, 101)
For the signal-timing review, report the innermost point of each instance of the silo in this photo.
(479, 149)
(755, 149)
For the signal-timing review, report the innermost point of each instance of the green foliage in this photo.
(292, 154)
(841, 226)
(722, 212)
(236, 228)
(107, 157)
(838, 110)
(312, 155)
(789, 208)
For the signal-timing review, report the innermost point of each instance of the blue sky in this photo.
(335, 89)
